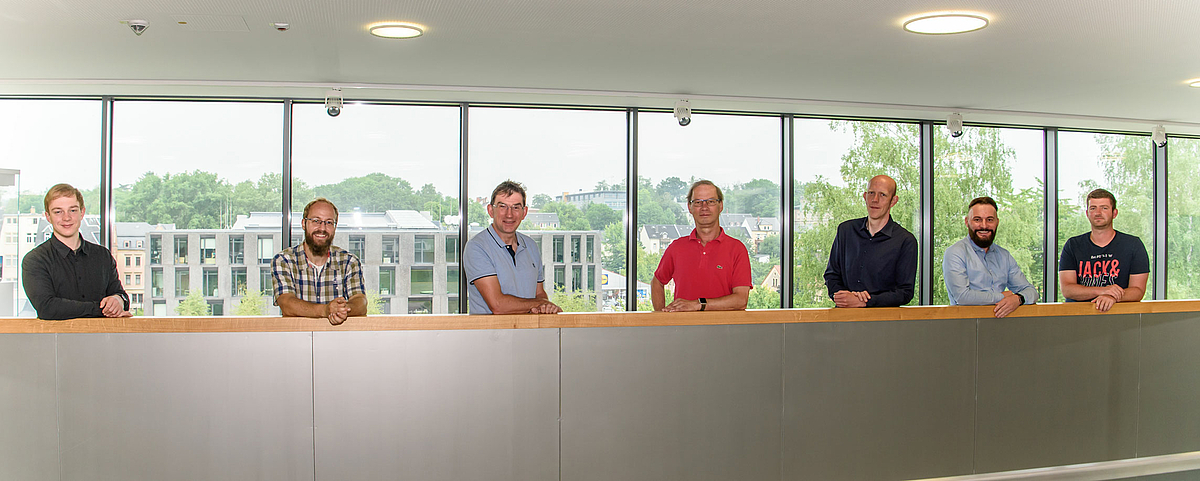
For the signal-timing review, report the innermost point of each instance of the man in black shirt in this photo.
(67, 277)
(873, 261)
(1103, 266)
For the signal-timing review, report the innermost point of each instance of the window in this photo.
(387, 281)
(452, 305)
(128, 261)
(422, 282)
(50, 141)
(560, 277)
(451, 249)
(210, 282)
(420, 306)
(358, 246)
(237, 281)
(216, 308)
(137, 279)
(156, 282)
(558, 248)
(181, 249)
(160, 308)
(391, 248)
(1120, 164)
(581, 152)
(128, 280)
(1005, 164)
(1183, 219)
(423, 250)
(137, 260)
(575, 248)
(156, 250)
(182, 281)
(576, 278)
(591, 247)
(135, 298)
(397, 172)
(208, 250)
(840, 157)
(266, 282)
(266, 249)
(237, 249)
(452, 280)
(591, 278)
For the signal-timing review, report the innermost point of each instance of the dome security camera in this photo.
(683, 112)
(954, 123)
(333, 102)
(138, 26)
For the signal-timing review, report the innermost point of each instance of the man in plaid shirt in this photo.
(317, 278)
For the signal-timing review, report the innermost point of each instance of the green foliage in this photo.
(540, 200)
(569, 216)
(759, 197)
(674, 187)
(192, 305)
(1183, 220)
(600, 216)
(574, 301)
(763, 298)
(648, 305)
(613, 248)
(374, 303)
(252, 304)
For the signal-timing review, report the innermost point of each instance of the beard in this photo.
(317, 248)
(982, 243)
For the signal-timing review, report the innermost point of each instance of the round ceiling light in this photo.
(1194, 83)
(397, 30)
(943, 23)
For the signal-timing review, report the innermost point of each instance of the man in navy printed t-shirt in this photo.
(1103, 266)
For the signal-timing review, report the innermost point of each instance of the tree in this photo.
(673, 187)
(763, 298)
(192, 305)
(600, 216)
(759, 198)
(569, 216)
(613, 247)
(574, 301)
(375, 192)
(374, 303)
(252, 303)
(540, 200)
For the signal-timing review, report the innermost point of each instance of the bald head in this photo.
(880, 182)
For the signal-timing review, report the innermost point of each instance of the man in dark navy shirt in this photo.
(1103, 266)
(873, 261)
(67, 277)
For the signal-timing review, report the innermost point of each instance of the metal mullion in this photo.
(786, 212)
(631, 185)
(926, 235)
(107, 210)
(286, 189)
(464, 228)
(1161, 199)
(1050, 217)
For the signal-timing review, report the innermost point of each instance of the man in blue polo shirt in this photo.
(503, 267)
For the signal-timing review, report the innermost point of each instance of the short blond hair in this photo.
(62, 190)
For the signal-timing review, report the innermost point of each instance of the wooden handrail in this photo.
(568, 320)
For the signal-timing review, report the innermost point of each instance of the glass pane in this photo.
(238, 281)
(182, 282)
(422, 282)
(266, 282)
(839, 159)
(742, 155)
(156, 283)
(266, 248)
(1006, 165)
(49, 142)
(451, 249)
(572, 163)
(452, 281)
(387, 281)
(1183, 219)
(202, 174)
(392, 172)
(1120, 164)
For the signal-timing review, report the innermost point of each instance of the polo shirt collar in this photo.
(696, 237)
(62, 249)
(500, 242)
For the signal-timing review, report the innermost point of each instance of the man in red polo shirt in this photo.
(711, 270)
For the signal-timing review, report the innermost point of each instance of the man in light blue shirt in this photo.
(978, 273)
(503, 266)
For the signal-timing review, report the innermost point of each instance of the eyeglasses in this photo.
(703, 202)
(506, 207)
(326, 223)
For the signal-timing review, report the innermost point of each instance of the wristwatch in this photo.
(703, 303)
(1022, 298)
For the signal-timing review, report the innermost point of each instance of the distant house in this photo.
(773, 279)
(540, 220)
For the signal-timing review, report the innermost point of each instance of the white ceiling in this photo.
(1094, 64)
